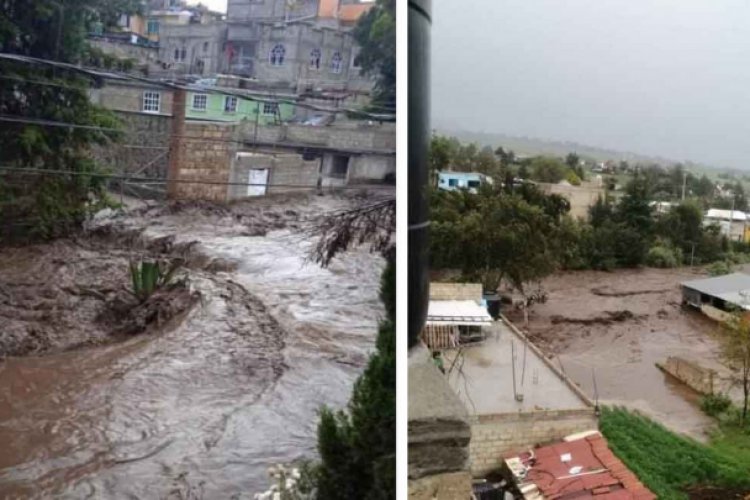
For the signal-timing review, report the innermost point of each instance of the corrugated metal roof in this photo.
(457, 312)
(718, 213)
(729, 283)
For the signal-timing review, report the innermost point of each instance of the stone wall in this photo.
(492, 436)
(449, 486)
(206, 161)
(691, 374)
(456, 291)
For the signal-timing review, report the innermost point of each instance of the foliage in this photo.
(663, 255)
(720, 268)
(495, 235)
(49, 205)
(548, 169)
(376, 35)
(736, 350)
(358, 448)
(148, 277)
(572, 178)
(715, 404)
(666, 462)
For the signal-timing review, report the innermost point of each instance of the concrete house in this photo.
(731, 222)
(450, 181)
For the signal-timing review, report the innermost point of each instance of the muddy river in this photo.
(200, 408)
(607, 331)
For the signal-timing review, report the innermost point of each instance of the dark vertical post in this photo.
(176, 142)
(419, 140)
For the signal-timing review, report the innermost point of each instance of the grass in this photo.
(668, 463)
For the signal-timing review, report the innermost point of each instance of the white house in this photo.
(731, 222)
(450, 181)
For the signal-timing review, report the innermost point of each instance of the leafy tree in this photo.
(441, 154)
(376, 35)
(48, 205)
(683, 226)
(600, 212)
(358, 448)
(736, 349)
(548, 169)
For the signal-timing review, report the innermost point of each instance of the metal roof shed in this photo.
(733, 288)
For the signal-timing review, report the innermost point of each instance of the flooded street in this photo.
(608, 330)
(222, 391)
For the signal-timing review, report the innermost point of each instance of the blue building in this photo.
(451, 181)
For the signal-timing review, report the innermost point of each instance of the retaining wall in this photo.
(696, 377)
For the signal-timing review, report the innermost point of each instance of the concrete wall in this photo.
(344, 136)
(456, 291)
(492, 436)
(247, 109)
(206, 160)
(203, 44)
(284, 171)
(715, 313)
(691, 374)
(371, 168)
(130, 98)
(143, 55)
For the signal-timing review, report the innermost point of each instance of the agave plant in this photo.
(148, 277)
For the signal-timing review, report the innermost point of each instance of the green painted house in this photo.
(225, 108)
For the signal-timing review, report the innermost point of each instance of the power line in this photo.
(214, 90)
(157, 180)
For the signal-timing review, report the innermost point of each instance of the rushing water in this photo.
(204, 407)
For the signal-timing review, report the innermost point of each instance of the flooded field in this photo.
(607, 331)
(202, 402)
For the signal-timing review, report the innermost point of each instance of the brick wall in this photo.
(492, 436)
(206, 160)
(455, 291)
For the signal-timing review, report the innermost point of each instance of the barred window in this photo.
(269, 108)
(315, 59)
(151, 102)
(230, 104)
(336, 63)
(199, 102)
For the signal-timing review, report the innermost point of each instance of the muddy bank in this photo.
(613, 327)
(224, 389)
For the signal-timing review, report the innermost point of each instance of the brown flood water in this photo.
(619, 325)
(202, 408)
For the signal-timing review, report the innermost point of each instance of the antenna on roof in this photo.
(596, 393)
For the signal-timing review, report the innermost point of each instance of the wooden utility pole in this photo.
(179, 106)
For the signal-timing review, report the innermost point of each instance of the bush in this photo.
(720, 268)
(663, 256)
(714, 405)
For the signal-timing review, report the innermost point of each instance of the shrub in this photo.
(720, 268)
(148, 277)
(663, 256)
(715, 404)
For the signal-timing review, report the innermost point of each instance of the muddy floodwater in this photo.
(203, 403)
(607, 331)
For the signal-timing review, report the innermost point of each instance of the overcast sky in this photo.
(217, 5)
(660, 77)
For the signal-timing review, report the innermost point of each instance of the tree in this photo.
(376, 35)
(358, 448)
(49, 205)
(736, 349)
(548, 169)
(572, 161)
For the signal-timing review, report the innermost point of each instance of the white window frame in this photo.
(195, 99)
(230, 99)
(337, 63)
(151, 102)
(270, 108)
(277, 55)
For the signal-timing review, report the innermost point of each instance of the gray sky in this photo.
(659, 77)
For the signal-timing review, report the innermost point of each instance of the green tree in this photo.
(376, 35)
(548, 169)
(736, 349)
(48, 205)
(358, 448)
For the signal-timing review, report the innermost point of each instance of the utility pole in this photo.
(179, 104)
(684, 183)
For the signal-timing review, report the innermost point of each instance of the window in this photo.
(354, 63)
(199, 102)
(315, 59)
(182, 54)
(473, 184)
(276, 56)
(151, 102)
(269, 108)
(453, 182)
(336, 63)
(177, 55)
(230, 104)
(152, 28)
(205, 47)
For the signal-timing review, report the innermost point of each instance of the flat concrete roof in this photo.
(486, 382)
